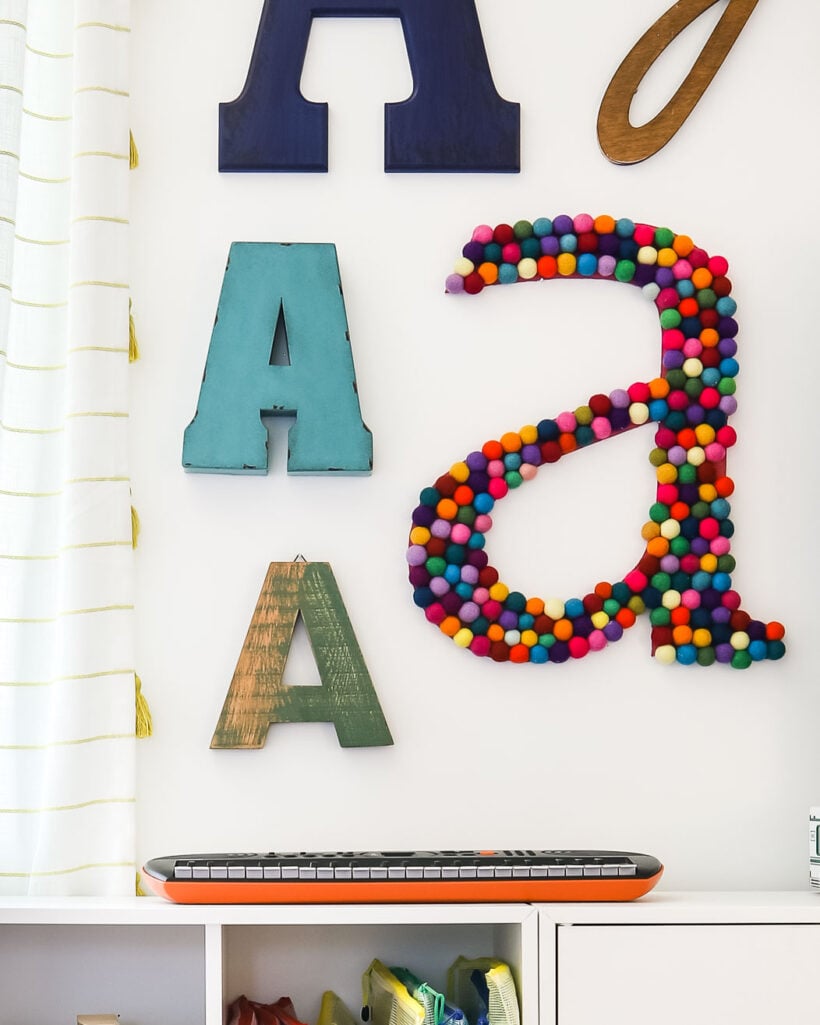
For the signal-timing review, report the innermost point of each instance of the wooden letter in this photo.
(266, 281)
(258, 696)
(453, 121)
(623, 143)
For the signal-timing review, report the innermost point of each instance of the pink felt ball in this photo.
(566, 422)
(460, 534)
(483, 234)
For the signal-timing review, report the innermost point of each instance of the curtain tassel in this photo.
(135, 527)
(133, 345)
(145, 726)
(133, 152)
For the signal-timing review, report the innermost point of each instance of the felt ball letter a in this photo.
(265, 283)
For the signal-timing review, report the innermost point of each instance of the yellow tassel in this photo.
(144, 726)
(135, 527)
(138, 890)
(133, 345)
(133, 152)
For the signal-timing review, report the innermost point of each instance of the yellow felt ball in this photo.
(599, 619)
(695, 456)
(529, 637)
(670, 599)
(554, 608)
(701, 637)
(670, 528)
(529, 434)
(667, 257)
(463, 266)
(650, 529)
(527, 268)
(692, 367)
(709, 563)
(707, 492)
(464, 637)
(667, 473)
(419, 536)
(499, 591)
(638, 412)
(460, 472)
(665, 653)
(705, 434)
(566, 263)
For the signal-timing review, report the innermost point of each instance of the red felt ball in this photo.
(739, 619)
(593, 603)
(600, 405)
(726, 436)
(473, 283)
(499, 651)
(578, 646)
(698, 257)
(639, 391)
(551, 452)
(721, 286)
(492, 450)
(587, 242)
(488, 576)
(661, 636)
(446, 485)
(709, 317)
(503, 234)
(436, 546)
(519, 653)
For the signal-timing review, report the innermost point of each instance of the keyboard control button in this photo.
(236, 871)
(557, 871)
(183, 872)
(592, 870)
(272, 872)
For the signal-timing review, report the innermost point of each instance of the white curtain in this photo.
(67, 703)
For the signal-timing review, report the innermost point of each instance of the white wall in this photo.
(712, 770)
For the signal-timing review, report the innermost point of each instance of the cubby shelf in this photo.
(157, 963)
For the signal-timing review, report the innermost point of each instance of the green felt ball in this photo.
(624, 270)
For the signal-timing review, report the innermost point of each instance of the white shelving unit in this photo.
(678, 958)
(670, 957)
(157, 963)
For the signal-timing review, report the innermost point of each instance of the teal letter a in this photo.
(265, 281)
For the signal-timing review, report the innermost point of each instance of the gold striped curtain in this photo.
(67, 722)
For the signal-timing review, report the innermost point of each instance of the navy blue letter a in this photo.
(454, 119)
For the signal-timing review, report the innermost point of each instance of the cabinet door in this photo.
(680, 974)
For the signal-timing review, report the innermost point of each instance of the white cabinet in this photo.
(157, 963)
(675, 959)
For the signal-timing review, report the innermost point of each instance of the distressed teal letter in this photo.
(299, 283)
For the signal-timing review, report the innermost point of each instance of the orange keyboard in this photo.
(403, 877)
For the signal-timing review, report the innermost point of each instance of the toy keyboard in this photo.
(403, 877)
